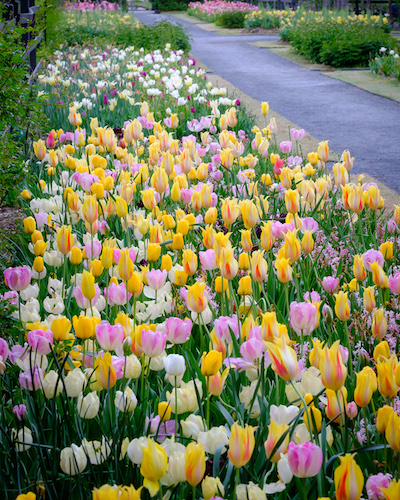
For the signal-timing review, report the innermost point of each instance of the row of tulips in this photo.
(201, 312)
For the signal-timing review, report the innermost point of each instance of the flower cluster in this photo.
(209, 10)
(201, 310)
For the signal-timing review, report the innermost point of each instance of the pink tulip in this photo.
(285, 146)
(394, 284)
(41, 219)
(31, 379)
(153, 343)
(392, 226)
(178, 330)
(278, 166)
(96, 250)
(305, 460)
(186, 195)
(373, 256)
(374, 485)
(303, 317)
(351, 410)
(226, 327)
(252, 350)
(18, 278)
(330, 284)
(19, 411)
(207, 260)
(156, 278)
(40, 341)
(116, 294)
(109, 336)
(11, 296)
(4, 350)
(309, 224)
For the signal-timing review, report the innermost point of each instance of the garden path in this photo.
(351, 118)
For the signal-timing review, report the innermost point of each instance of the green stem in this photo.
(208, 404)
(310, 428)
(350, 363)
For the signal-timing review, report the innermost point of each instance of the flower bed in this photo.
(386, 63)
(221, 12)
(204, 312)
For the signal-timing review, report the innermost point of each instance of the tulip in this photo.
(369, 299)
(284, 359)
(18, 278)
(366, 386)
(259, 266)
(303, 317)
(125, 401)
(87, 285)
(379, 324)
(154, 466)
(284, 271)
(381, 351)
(105, 372)
(394, 284)
(88, 406)
(386, 377)
(292, 246)
(211, 487)
(245, 286)
(333, 371)
(156, 278)
(358, 268)
(392, 432)
(90, 210)
(382, 418)
(305, 460)
(292, 201)
(153, 343)
(275, 433)
(378, 274)
(31, 379)
(174, 365)
(74, 383)
(197, 299)
(177, 330)
(109, 336)
(195, 463)
(189, 262)
(40, 341)
(390, 491)
(241, 444)
(164, 411)
(60, 328)
(342, 306)
(349, 480)
(216, 382)
(211, 363)
(153, 252)
(307, 242)
(228, 264)
(249, 213)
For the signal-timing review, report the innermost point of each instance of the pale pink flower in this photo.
(303, 317)
(153, 343)
(40, 341)
(156, 278)
(305, 460)
(109, 336)
(18, 278)
(178, 330)
(226, 327)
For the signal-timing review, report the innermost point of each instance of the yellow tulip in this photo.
(241, 444)
(195, 463)
(349, 479)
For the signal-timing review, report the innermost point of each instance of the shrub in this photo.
(338, 44)
(231, 20)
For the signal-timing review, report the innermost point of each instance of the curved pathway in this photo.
(351, 118)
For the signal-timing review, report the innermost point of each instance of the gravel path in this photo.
(351, 118)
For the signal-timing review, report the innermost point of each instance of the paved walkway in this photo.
(366, 124)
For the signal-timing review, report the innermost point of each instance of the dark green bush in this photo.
(168, 5)
(231, 20)
(338, 44)
(157, 36)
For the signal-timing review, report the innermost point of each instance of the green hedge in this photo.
(338, 44)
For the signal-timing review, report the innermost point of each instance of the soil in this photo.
(260, 31)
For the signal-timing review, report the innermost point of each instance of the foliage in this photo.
(20, 110)
(387, 63)
(268, 19)
(171, 5)
(343, 44)
(231, 20)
